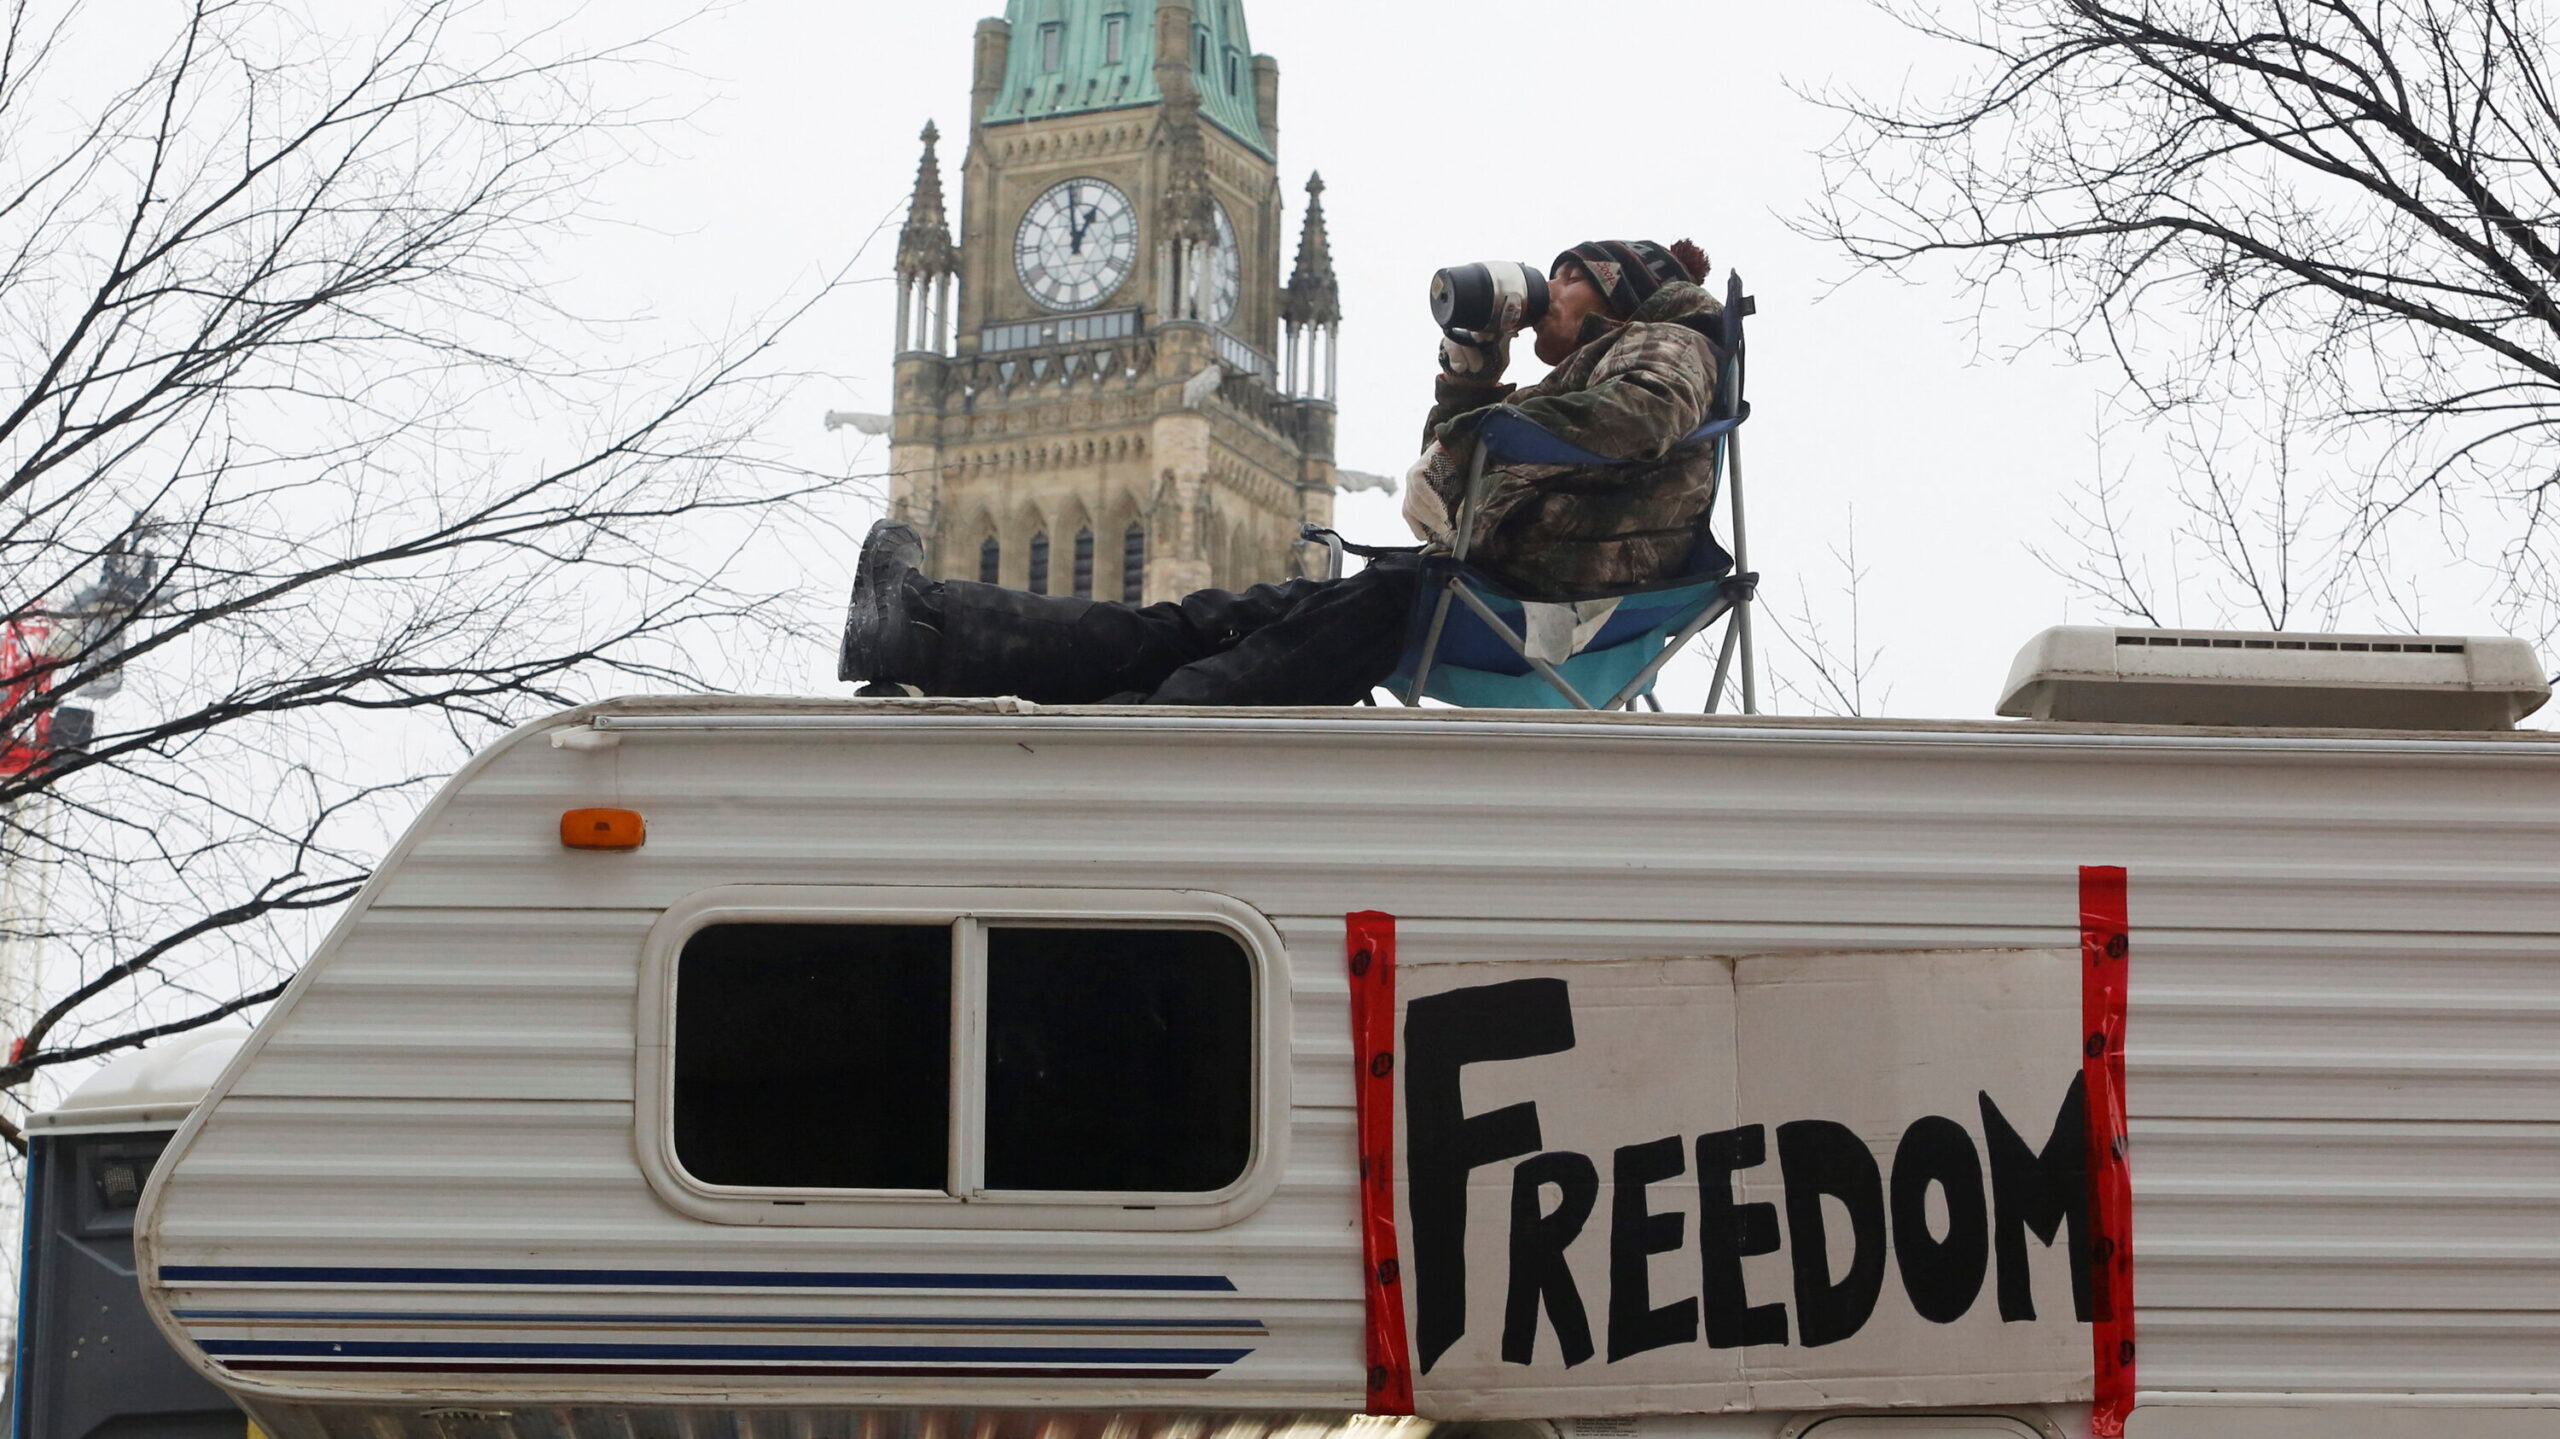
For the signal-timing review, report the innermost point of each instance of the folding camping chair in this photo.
(1474, 643)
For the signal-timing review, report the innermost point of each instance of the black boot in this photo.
(886, 639)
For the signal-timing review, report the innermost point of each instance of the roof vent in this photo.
(2255, 678)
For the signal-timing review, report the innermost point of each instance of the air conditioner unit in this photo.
(2261, 678)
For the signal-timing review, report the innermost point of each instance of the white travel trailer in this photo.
(792, 1067)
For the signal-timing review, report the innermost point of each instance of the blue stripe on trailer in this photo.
(782, 1353)
(899, 1321)
(684, 1278)
(941, 1372)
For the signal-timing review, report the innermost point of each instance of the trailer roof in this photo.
(744, 712)
(146, 1089)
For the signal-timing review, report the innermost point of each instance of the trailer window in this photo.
(1117, 1059)
(978, 1060)
(814, 1056)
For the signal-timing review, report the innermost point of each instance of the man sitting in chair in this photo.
(1629, 331)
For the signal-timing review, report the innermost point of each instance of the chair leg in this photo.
(1545, 671)
(1430, 647)
(1627, 693)
(1750, 690)
(1465, 533)
(1742, 564)
(1724, 666)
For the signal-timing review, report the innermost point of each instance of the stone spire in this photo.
(1311, 310)
(928, 263)
(925, 250)
(1313, 296)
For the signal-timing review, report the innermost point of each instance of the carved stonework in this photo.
(1083, 143)
(1144, 410)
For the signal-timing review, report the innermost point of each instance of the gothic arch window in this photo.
(1084, 564)
(1133, 564)
(1040, 563)
(990, 561)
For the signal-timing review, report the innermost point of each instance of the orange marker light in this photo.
(603, 829)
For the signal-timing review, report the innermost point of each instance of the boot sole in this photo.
(867, 615)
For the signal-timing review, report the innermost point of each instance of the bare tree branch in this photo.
(307, 483)
(2339, 219)
(1826, 677)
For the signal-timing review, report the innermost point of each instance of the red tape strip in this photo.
(2105, 947)
(1369, 941)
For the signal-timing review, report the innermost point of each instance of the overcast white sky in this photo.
(1447, 132)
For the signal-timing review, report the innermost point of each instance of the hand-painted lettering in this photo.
(1540, 1277)
(1949, 1214)
(1943, 1276)
(1818, 1157)
(2040, 1190)
(1636, 1234)
(1729, 1233)
(1444, 1033)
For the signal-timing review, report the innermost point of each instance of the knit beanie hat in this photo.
(1629, 271)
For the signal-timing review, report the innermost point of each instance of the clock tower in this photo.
(1103, 386)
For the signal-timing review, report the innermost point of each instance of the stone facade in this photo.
(1154, 440)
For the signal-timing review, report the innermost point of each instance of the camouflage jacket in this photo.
(1633, 391)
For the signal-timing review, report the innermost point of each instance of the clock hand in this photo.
(1075, 232)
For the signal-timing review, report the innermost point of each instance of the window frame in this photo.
(1133, 563)
(966, 1203)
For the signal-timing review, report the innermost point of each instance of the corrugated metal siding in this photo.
(2345, 1037)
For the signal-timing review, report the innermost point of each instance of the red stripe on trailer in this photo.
(2105, 949)
(1369, 942)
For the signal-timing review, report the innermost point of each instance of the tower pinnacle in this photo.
(924, 246)
(928, 263)
(1311, 307)
(1313, 298)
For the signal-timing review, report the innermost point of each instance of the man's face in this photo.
(1571, 299)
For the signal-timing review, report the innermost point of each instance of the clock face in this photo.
(1226, 275)
(1077, 243)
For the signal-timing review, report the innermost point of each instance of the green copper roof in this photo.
(1069, 57)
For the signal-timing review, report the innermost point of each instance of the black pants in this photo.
(1305, 642)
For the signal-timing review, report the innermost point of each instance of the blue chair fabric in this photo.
(1475, 668)
(1478, 669)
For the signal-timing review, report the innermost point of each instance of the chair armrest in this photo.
(1315, 534)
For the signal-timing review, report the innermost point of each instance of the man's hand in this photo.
(1480, 359)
